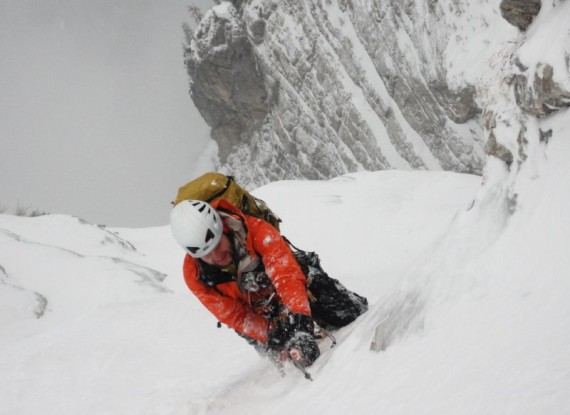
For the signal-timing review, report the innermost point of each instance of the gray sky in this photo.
(95, 116)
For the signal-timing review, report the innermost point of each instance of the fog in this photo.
(96, 118)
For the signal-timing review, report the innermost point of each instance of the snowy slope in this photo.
(119, 338)
(493, 336)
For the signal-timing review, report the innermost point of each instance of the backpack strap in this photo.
(291, 244)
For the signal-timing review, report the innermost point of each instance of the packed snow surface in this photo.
(98, 321)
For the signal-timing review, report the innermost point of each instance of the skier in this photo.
(245, 274)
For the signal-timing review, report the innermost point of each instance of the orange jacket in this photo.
(228, 303)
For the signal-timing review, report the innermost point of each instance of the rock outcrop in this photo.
(543, 96)
(227, 85)
(533, 86)
(520, 13)
(297, 89)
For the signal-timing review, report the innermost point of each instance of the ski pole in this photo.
(300, 366)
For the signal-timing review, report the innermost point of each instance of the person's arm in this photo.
(294, 333)
(228, 309)
(280, 265)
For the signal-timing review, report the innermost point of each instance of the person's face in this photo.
(221, 256)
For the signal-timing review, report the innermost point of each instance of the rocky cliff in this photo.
(529, 97)
(315, 89)
(513, 237)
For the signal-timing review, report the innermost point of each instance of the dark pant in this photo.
(332, 304)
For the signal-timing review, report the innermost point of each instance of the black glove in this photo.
(295, 334)
(300, 322)
(286, 328)
(278, 336)
(303, 347)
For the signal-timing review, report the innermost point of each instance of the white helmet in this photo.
(196, 226)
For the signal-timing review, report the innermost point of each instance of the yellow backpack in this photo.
(212, 186)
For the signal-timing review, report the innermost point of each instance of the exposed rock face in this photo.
(226, 83)
(520, 13)
(535, 100)
(534, 85)
(544, 96)
(498, 150)
(521, 208)
(299, 89)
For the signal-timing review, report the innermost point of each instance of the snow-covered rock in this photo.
(512, 240)
(315, 89)
(520, 13)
